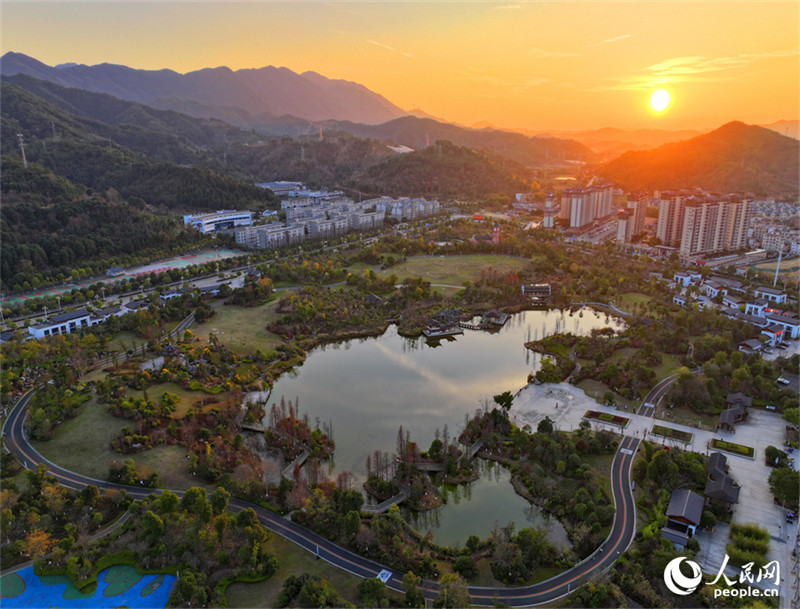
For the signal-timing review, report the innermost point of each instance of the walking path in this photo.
(622, 532)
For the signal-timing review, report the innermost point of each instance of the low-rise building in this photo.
(683, 517)
(713, 288)
(790, 323)
(736, 412)
(221, 220)
(720, 487)
(750, 346)
(733, 301)
(774, 334)
(756, 307)
(771, 294)
(65, 323)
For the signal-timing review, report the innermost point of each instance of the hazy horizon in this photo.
(571, 66)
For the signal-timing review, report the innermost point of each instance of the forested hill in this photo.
(734, 158)
(88, 201)
(90, 153)
(50, 227)
(445, 170)
(417, 133)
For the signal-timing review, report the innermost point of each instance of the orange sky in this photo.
(533, 65)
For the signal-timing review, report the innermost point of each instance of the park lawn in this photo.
(185, 398)
(447, 292)
(623, 354)
(125, 341)
(357, 268)
(293, 561)
(485, 577)
(242, 329)
(81, 444)
(685, 416)
(626, 301)
(669, 364)
(596, 389)
(600, 466)
(453, 270)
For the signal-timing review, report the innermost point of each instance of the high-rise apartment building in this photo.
(705, 224)
(670, 218)
(549, 210)
(630, 222)
(582, 206)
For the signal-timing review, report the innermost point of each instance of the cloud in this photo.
(693, 68)
(389, 48)
(543, 54)
(698, 64)
(610, 40)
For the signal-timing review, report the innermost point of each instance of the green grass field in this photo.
(669, 364)
(185, 398)
(453, 270)
(790, 269)
(125, 341)
(81, 444)
(686, 416)
(596, 389)
(241, 329)
(294, 561)
(626, 301)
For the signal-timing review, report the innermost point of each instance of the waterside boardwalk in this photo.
(382, 507)
(253, 427)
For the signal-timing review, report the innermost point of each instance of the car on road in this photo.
(782, 380)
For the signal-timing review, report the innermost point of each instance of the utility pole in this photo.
(778, 267)
(21, 139)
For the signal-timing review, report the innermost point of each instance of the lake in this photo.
(368, 388)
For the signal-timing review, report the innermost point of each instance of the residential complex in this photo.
(582, 206)
(326, 216)
(699, 224)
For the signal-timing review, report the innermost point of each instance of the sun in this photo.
(659, 100)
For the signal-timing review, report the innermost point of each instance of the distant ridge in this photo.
(734, 158)
(262, 91)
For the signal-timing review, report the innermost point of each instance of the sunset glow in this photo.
(529, 65)
(659, 100)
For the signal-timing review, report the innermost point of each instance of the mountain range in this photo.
(338, 152)
(223, 93)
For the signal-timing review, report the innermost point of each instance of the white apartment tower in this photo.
(630, 221)
(714, 225)
(549, 211)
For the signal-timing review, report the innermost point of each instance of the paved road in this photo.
(622, 532)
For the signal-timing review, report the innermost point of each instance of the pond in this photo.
(368, 388)
(478, 507)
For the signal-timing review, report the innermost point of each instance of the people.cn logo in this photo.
(677, 582)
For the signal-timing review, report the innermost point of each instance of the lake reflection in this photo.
(477, 508)
(368, 388)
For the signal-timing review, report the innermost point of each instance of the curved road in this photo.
(622, 532)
